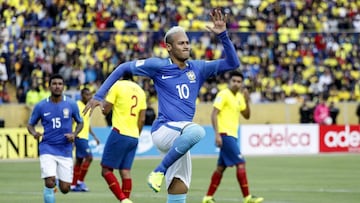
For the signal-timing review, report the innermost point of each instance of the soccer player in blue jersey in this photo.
(228, 105)
(177, 81)
(56, 114)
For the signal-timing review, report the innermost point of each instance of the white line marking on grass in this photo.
(315, 190)
(320, 190)
(19, 193)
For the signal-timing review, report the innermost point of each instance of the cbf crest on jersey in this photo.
(66, 112)
(191, 75)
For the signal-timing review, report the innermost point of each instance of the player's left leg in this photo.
(244, 185)
(181, 141)
(84, 167)
(177, 198)
(242, 179)
(126, 164)
(177, 191)
(49, 190)
(83, 161)
(76, 175)
(64, 172)
(126, 182)
(48, 173)
(178, 178)
(113, 183)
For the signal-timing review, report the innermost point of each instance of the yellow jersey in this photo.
(128, 99)
(84, 133)
(229, 106)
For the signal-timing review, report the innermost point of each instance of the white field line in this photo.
(94, 193)
(138, 195)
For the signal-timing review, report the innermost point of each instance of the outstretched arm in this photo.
(104, 88)
(231, 60)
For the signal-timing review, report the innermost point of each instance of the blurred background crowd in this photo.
(290, 51)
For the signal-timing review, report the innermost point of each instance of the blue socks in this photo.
(49, 195)
(179, 198)
(191, 135)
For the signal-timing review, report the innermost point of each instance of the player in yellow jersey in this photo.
(83, 153)
(128, 103)
(228, 105)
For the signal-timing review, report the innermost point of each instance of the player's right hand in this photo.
(91, 106)
(218, 140)
(37, 135)
(246, 94)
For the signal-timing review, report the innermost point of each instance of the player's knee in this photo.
(89, 159)
(65, 190)
(195, 131)
(50, 182)
(177, 186)
(105, 171)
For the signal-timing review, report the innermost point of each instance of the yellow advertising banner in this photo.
(17, 143)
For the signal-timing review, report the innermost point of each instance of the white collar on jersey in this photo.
(172, 62)
(48, 99)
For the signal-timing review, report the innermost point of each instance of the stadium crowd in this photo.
(289, 50)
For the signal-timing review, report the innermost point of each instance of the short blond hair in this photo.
(172, 31)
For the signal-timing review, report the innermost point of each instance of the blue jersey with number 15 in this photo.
(56, 119)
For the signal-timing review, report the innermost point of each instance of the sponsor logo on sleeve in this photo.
(139, 63)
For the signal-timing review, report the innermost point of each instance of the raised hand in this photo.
(246, 94)
(219, 21)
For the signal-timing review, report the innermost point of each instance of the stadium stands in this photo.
(289, 49)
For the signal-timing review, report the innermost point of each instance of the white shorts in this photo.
(58, 166)
(164, 138)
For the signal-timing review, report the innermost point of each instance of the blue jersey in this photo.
(56, 119)
(177, 88)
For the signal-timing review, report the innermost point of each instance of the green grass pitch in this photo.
(330, 178)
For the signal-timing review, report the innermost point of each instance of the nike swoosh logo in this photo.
(164, 77)
(46, 114)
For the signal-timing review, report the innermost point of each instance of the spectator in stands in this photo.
(150, 113)
(14, 29)
(20, 95)
(3, 72)
(44, 91)
(66, 71)
(314, 50)
(325, 80)
(306, 112)
(4, 95)
(32, 95)
(322, 112)
(334, 112)
(254, 40)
